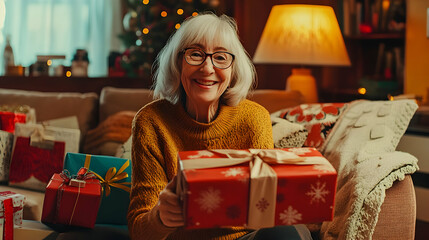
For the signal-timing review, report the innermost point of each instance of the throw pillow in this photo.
(361, 147)
(287, 134)
(109, 134)
(317, 118)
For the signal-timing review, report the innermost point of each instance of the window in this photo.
(60, 27)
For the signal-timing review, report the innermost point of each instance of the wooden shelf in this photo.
(377, 36)
(71, 84)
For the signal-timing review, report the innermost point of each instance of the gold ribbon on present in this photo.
(112, 177)
(263, 179)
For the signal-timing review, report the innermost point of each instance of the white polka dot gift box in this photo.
(6, 143)
(11, 208)
(255, 188)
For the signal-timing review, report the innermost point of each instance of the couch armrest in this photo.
(397, 218)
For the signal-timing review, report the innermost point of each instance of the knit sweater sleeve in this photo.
(148, 179)
(259, 123)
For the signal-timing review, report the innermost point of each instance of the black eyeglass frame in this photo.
(205, 58)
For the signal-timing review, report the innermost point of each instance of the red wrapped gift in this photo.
(255, 188)
(31, 166)
(8, 120)
(11, 208)
(38, 152)
(71, 201)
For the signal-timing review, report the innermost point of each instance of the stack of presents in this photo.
(80, 189)
(251, 187)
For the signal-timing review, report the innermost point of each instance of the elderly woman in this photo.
(202, 79)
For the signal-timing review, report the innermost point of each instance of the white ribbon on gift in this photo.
(263, 179)
(42, 138)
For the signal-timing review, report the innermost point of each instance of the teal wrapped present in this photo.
(115, 178)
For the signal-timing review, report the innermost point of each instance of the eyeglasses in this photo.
(196, 57)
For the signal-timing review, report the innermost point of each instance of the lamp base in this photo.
(301, 80)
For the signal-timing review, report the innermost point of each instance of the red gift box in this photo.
(255, 188)
(11, 209)
(30, 161)
(71, 204)
(8, 120)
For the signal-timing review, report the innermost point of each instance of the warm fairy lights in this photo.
(362, 91)
(163, 14)
(49, 62)
(145, 2)
(68, 74)
(177, 26)
(180, 11)
(194, 14)
(145, 31)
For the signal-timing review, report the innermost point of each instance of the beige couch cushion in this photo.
(274, 100)
(113, 100)
(52, 105)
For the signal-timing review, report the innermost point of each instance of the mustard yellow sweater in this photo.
(160, 130)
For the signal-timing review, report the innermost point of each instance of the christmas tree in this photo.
(148, 24)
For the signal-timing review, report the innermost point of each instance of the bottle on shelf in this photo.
(8, 59)
(80, 61)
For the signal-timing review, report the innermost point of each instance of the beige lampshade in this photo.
(302, 34)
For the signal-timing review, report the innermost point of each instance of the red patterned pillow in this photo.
(318, 119)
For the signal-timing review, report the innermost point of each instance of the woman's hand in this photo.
(170, 210)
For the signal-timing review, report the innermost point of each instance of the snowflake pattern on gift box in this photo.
(290, 216)
(324, 168)
(299, 151)
(262, 204)
(201, 154)
(233, 172)
(192, 172)
(317, 192)
(209, 200)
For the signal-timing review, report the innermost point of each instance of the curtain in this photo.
(60, 27)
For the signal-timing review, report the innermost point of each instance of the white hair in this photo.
(209, 30)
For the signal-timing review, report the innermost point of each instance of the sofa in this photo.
(105, 123)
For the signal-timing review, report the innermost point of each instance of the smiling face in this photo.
(204, 84)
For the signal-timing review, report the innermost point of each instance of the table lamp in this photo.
(305, 35)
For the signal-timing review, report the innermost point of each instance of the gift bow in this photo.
(82, 174)
(263, 179)
(112, 177)
(235, 157)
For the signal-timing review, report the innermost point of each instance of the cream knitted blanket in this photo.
(362, 147)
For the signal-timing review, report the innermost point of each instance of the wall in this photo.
(417, 49)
